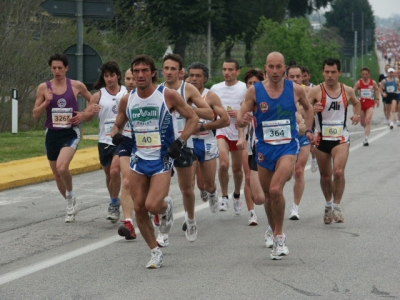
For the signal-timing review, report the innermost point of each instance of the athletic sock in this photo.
(115, 201)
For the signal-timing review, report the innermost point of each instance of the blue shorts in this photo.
(205, 150)
(125, 148)
(268, 155)
(304, 141)
(150, 168)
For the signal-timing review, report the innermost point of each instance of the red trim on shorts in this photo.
(231, 144)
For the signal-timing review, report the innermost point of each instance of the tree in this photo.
(293, 38)
(346, 11)
(301, 8)
(182, 20)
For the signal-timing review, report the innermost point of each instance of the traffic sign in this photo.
(91, 64)
(92, 9)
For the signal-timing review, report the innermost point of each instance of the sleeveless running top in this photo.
(330, 123)
(108, 113)
(153, 126)
(276, 117)
(61, 108)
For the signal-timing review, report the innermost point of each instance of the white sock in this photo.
(70, 194)
(328, 204)
(130, 220)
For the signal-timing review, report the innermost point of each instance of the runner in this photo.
(274, 104)
(330, 100)
(105, 104)
(58, 98)
(231, 92)
(149, 112)
(365, 88)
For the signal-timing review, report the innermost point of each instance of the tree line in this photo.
(244, 30)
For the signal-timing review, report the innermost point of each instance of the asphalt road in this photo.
(44, 258)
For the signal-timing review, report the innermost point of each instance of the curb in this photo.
(34, 170)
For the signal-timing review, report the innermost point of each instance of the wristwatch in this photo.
(310, 131)
(182, 141)
(202, 127)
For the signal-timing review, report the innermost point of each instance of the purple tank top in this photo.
(60, 108)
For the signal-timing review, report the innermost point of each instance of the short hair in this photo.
(233, 61)
(199, 65)
(330, 61)
(174, 57)
(292, 63)
(254, 72)
(111, 67)
(60, 57)
(293, 67)
(366, 69)
(147, 60)
(305, 70)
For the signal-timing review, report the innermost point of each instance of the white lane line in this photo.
(14, 275)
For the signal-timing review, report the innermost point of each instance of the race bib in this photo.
(108, 125)
(61, 116)
(390, 89)
(147, 137)
(277, 132)
(332, 130)
(366, 94)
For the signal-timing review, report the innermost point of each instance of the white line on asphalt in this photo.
(11, 276)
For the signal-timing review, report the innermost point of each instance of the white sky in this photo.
(385, 8)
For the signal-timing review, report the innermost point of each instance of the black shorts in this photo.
(390, 97)
(106, 153)
(125, 148)
(327, 146)
(186, 159)
(252, 160)
(58, 139)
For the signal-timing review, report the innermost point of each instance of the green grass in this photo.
(28, 144)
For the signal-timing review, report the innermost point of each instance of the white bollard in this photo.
(14, 109)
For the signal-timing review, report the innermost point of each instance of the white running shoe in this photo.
(156, 259)
(162, 240)
(398, 123)
(191, 232)
(72, 209)
(294, 214)
(213, 202)
(167, 219)
(113, 213)
(279, 248)
(391, 125)
(269, 238)
(237, 206)
(314, 165)
(224, 204)
(253, 219)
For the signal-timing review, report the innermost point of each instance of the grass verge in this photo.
(28, 144)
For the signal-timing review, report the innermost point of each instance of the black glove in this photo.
(174, 151)
(117, 139)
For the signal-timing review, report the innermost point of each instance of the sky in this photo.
(385, 8)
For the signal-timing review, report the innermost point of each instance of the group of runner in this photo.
(262, 129)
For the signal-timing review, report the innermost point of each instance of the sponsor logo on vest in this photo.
(145, 114)
(264, 107)
(334, 106)
(62, 102)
